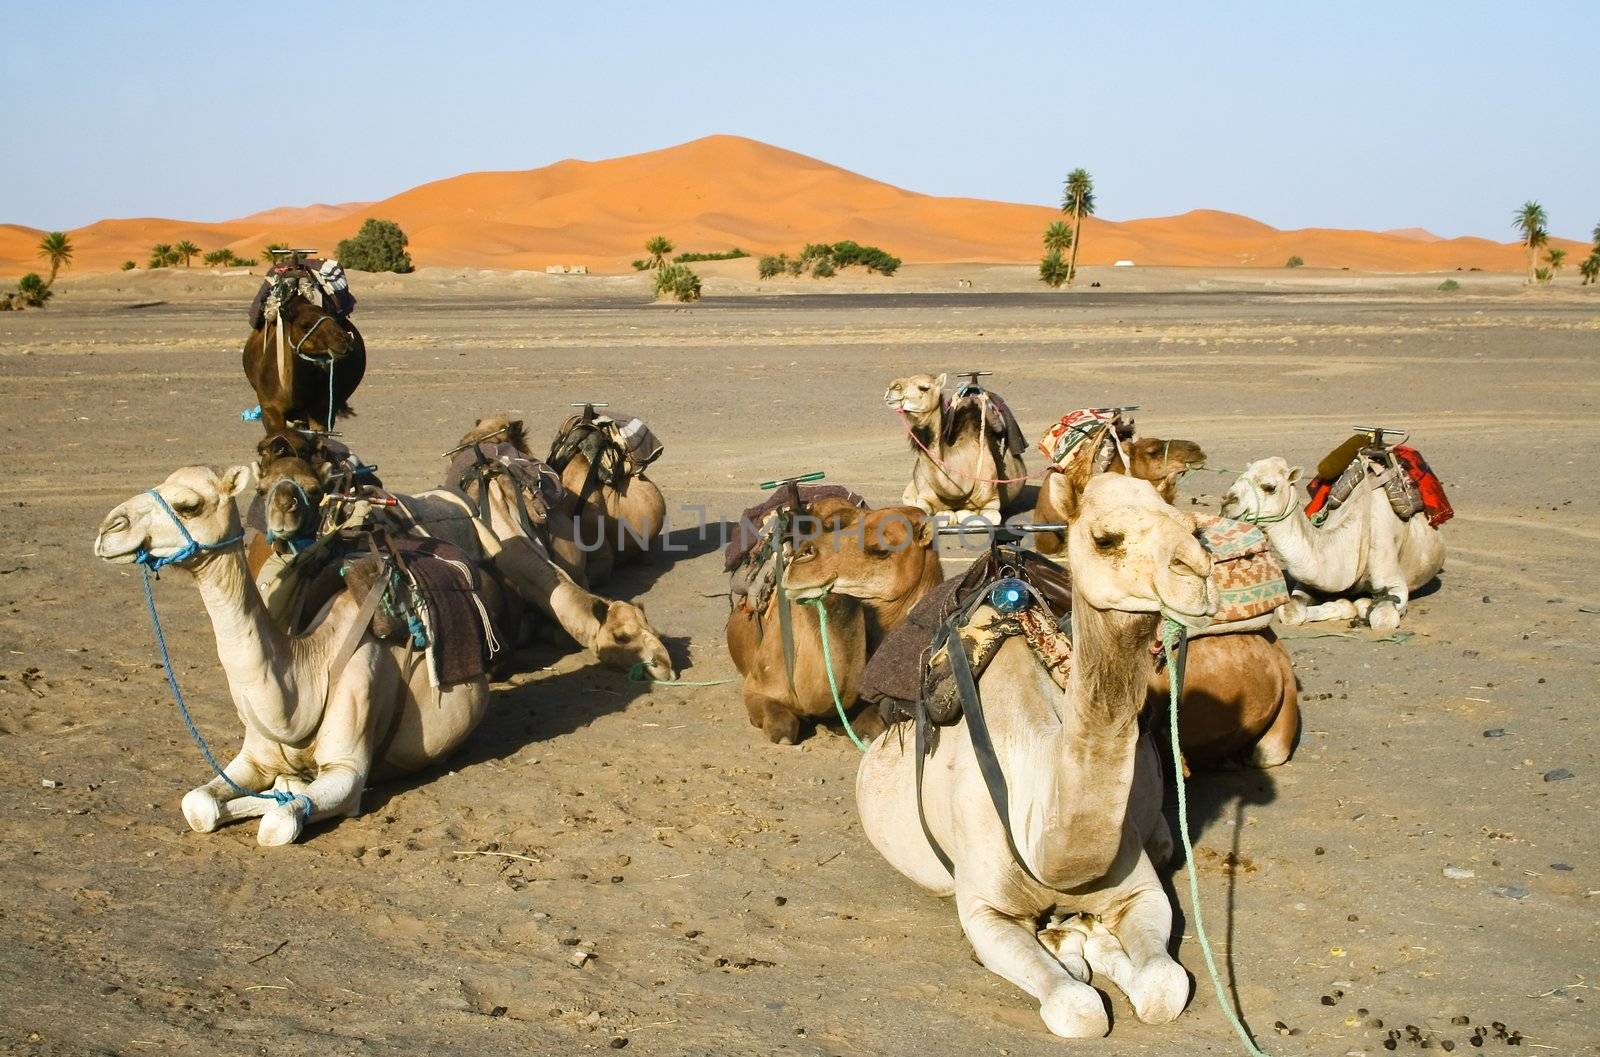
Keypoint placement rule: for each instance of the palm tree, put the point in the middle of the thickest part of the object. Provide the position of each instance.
(185, 250)
(1589, 267)
(658, 248)
(1077, 198)
(1531, 221)
(1057, 237)
(1556, 256)
(161, 255)
(56, 248)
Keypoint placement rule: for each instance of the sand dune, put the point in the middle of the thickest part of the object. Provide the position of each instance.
(723, 191)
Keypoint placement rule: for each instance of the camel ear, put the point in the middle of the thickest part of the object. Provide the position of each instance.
(1294, 474)
(236, 480)
(939, 382)
(925, 532)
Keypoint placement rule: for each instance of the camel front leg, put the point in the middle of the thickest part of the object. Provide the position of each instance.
(1130, 948)
(1301, 610)
(208, 806)
(1010, 949)
(334, 793)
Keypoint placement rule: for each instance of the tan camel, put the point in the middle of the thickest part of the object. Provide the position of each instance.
(870, 568)
(380, 716)
(617, 632)
(1161, 462)
(613, 517)
(1084, 787)
(975, 473)
(1362, 550)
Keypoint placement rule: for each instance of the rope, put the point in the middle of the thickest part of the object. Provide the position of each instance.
(276, 796)
(827, 660)
(639, 673)
(952, 473)
(1172, 636)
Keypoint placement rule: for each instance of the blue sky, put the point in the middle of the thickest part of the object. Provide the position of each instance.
(1373, 115)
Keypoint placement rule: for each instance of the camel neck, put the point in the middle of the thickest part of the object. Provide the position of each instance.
(884, 616)
(1323, 558)
(1092, 774)
(255, 655)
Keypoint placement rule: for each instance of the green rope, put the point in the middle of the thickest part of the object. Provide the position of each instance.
(827, 660)
(639, 673)
(1171, 636)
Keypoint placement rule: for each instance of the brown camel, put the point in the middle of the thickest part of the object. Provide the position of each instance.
(869, 569)
(289, 359)
(1161, 462)
(614, 507)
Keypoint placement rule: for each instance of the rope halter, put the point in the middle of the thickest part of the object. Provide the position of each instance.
(191, 546)
(303, 535)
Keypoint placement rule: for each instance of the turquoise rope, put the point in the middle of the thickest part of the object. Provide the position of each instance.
(1171, 635)
(827, 660)
(639, 674)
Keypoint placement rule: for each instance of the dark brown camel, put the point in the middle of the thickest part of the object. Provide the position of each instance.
(313, 339)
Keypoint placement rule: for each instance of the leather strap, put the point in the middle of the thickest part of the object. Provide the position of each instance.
(358, 630)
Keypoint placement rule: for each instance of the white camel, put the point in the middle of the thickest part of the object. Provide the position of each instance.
(1362, 550)
(1084, 786)
(318, 742)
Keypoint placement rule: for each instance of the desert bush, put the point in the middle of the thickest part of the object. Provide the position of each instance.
(769, 266)
(823, 269)
(1449, 286)
(642, 266)
(1294, 262)
(1541, 275)
(677, 282)
(380, 246)
(843, 254)
(726, 255)
(1053, 269)
(33, 291)
(128, 266)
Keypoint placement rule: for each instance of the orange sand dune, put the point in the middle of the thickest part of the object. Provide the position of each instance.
(725, 191)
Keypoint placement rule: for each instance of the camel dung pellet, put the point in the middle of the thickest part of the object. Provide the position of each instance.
(1390, 1044)
(1375, 1022)
(1447, 1045)
(1361, 1012)
(1328, 1000)
(1460, 1020)
(618, 1041)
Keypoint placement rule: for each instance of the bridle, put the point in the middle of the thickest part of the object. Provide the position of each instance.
(191, 546)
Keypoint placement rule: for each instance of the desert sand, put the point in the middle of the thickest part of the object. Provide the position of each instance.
(719, 192)
(723, 883)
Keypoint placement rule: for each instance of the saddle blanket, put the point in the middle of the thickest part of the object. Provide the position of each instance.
(1341, 470)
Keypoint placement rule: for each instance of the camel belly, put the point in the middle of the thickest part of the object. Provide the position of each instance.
(886, 799)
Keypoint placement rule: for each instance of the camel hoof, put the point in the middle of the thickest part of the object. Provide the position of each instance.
(280, 825)
(1163, 989)
(1385, 616)
(201, 811)
(1075, 1011)
(1292, 613)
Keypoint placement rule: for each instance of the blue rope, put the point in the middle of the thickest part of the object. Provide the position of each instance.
(148, 563)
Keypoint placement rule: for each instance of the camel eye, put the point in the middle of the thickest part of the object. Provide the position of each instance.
(805, 553)
(1269, 488)
(1108, 541)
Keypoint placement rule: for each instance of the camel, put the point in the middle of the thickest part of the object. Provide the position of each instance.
(1363, 549)
(1084, 787)
(1161, 462)
(869, 568)
(376, 717)
(288, 361)
(960, 467)
(518, 566)
(614, 507)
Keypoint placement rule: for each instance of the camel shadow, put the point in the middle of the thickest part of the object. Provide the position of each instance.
(666, 550)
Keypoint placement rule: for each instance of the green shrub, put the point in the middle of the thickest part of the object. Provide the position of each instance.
(380, 246)
(1449, 285)
(1294, 262)
(32, 291)
(726, 255)
(770, 266)
(677, 282)
(1053, 269)
(1541, 274)
(162, 255)
(823, 269)
(641, 266)
(794, 266)
(128, 266)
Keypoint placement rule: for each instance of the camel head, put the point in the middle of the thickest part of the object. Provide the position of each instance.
(1132, 553)
(917, 395)
(1264, 493)
(1162, 462)
(625, 638)
(878, 556)
(290, 470)
(316, 331)
(500, 428)
(201, 504)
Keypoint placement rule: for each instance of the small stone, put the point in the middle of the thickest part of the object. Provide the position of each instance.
(1447, 1045)
(1459, 1021)
(51, 783)
(616, 878)
(1560, 774)
(1512, 891)
(780, 900)
(1563, 867)
(1496, 732)
(1458, 873)
(578, 959)
(498, 1011)
(1487, 599)
(1375, 1022)
(691, 934)
(1329, 1000)
(1390, 1044)
(1321, 851)
(618, 1041)
(1280, 1027)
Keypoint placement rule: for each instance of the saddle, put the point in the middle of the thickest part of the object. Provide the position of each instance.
(998, 421)
(538, 486)
(1086, 435)
(615, 448)
(752, 557)
(1404, 475)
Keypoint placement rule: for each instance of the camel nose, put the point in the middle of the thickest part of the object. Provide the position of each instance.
(1191, 559)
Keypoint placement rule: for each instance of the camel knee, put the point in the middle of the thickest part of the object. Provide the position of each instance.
(202, 810)
(780, 725)
(1276, 745)
(1160, 991)
(868, 723)
(282, 824)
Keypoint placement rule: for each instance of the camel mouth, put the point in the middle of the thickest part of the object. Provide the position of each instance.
(117, 554)
(810, 593)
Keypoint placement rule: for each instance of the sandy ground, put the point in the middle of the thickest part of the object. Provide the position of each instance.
(723, 884)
